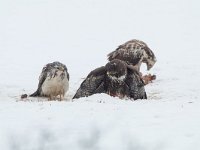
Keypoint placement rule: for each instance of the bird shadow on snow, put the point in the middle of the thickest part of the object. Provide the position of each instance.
(42, 99)
(152, 89)
(27, 98)
(98, 98)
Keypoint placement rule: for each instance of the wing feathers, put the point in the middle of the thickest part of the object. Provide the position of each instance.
(136, 85)
(131, 52)
(42, 78)
(94, 83)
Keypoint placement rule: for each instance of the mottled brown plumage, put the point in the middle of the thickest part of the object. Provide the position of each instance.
(115, 79)
(53, 81)
(134, 53)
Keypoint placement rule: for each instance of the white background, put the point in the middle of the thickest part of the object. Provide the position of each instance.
(80, 34)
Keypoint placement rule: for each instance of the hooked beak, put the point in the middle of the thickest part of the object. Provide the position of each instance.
(150, 64)
(149, 67)
(61, 69)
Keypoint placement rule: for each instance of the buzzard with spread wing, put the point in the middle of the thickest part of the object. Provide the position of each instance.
(116, 78)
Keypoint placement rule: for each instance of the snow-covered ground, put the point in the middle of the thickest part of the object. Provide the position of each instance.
(80, 34)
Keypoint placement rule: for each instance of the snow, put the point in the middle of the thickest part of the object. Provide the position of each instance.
(80, 34)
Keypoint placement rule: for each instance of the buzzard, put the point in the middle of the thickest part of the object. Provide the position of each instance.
(53, 81)
(116, 78)
(134, 53)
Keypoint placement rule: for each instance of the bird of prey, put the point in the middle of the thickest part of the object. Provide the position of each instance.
(134, 53)
(116, 78)
(53, 81)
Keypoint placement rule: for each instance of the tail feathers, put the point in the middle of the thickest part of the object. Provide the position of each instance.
(80, 94)
(145, 96)
(140, 95)
(36, 93)
(76, 96)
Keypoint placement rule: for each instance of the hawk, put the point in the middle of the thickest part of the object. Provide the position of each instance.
(53, 81)
(116, 78)
(134, 53)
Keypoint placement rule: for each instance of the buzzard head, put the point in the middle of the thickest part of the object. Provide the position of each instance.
(57, 69)
(149, 58)
(116, 70)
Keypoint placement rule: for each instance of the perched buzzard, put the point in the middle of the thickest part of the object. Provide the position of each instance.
(53, 81)
(115, 79)
(134, 53)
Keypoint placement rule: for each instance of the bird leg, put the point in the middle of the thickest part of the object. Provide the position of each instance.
(146, 78)
(136, 69)
(61, 97)
(50, 98)
(133, 68)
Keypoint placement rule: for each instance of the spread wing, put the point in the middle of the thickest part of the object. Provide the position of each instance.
(66, 72)
(68, 76)
(136, 85)
(94, 83)
(131, 52)
(42, 78)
